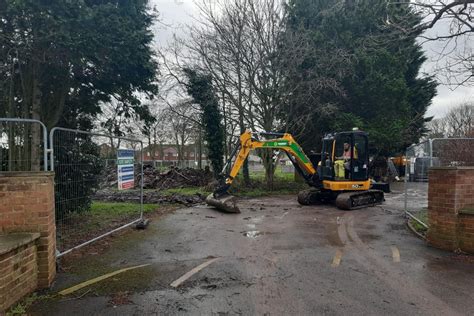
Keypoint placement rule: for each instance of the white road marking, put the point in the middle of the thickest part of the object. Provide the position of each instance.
(98, 279)
(337, 259)
(284, 214)
(189, 274)
(395, 254)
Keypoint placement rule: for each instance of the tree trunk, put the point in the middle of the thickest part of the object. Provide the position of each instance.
(11, 129)
(200, 148)
(270, 166)
(224, 115)
(151, 148)
(267, 159)
(36, 115)
(245, 167)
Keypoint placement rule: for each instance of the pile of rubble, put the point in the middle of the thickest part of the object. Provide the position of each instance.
(154, 179)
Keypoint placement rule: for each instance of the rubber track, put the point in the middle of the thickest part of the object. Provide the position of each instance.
(310, 197)
(356, 200)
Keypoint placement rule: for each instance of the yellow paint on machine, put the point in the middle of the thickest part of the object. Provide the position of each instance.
(346, 185)
(336, 261)
(98, 279)
(395, 254)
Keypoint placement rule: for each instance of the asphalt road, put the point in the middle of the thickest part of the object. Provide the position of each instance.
(275, 258)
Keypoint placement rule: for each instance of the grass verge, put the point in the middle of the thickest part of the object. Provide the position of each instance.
(422, 216)
(283, 183)
(21, 308)
(103, 217)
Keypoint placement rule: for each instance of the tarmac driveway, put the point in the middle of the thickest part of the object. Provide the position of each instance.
(275, 258)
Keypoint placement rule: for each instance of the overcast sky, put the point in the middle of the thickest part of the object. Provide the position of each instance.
(174, 14)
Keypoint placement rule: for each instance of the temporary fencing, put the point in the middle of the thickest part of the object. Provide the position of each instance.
(23, 145)
(437, 152)
(85, 162)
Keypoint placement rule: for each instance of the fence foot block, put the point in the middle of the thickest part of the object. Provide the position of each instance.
(142, 224)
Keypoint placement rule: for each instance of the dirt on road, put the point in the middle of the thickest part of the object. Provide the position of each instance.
(275, 258)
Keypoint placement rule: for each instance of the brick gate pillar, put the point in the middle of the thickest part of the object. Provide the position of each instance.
(27, 205)
(451, 208)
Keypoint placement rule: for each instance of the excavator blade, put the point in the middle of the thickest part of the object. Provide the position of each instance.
(226, 203)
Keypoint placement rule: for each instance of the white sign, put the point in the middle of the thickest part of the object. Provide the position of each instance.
(125, 169)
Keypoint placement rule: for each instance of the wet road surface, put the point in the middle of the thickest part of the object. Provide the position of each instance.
(275, 258)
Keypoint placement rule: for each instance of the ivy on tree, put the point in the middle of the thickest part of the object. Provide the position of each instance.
(199, 87)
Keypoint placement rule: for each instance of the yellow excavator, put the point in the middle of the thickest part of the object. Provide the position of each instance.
(340, 172)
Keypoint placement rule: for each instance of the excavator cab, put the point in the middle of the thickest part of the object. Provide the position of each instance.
(344, 157)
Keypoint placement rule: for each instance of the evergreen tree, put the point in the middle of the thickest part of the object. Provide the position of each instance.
(381, 90)
(59, 60)
(64, 57)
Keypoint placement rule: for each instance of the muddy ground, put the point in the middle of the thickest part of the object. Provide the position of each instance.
(275, 258)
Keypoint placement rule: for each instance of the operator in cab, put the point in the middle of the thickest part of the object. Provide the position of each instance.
(342, 165)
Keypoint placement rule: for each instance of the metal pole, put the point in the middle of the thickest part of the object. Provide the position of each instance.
(51, 153)
(96, 238)
(416, 219)
(430, 142)
(141, 182)
(95, 134)
(406, 180)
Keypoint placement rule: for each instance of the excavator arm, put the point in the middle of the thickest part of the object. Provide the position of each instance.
(249, 141)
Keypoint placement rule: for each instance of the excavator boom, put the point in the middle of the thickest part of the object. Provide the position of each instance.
(250, 141)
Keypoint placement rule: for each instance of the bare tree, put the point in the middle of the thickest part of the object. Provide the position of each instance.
(436, 128)
(180, 127)
(244, 46)
(451, 23)
(458, 122)
(236, 42)
(155, 132)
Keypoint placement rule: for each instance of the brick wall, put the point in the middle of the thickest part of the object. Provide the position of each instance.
(450, 201)
(27, 205)
(18, 271)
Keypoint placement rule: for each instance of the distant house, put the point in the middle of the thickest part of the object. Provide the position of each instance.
(169, 152)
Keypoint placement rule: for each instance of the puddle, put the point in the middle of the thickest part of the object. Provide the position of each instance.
(252, 234)
(258, 219)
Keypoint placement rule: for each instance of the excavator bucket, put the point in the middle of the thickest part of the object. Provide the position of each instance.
(226, 203)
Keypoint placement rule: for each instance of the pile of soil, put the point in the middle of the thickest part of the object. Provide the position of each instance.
(175, 178)
(154, 179)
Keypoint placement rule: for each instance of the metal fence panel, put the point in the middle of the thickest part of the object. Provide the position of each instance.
(437, 152)
(23, 145)
(84, 163)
